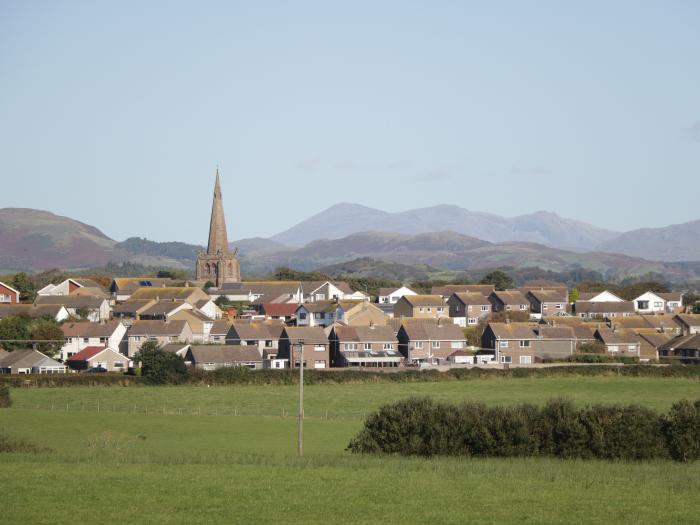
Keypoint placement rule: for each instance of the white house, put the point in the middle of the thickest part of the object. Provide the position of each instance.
(67, 287)
(649, 303)
(600, 297)
(78, 336)
(392, 295)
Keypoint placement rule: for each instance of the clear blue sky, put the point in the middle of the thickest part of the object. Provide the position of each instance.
(117, 113)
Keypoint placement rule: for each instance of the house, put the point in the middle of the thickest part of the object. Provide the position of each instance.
(392, 295)
(689, 323)
(447, 290)
(468, 308)
(131, 309)
(326, 290)
(179, 349)
(312, 339)
(461, 357)
(188, 294)
(219, 332)
(325, 313)
(650, 342)
(547, 302)
(279, 311)
(163, 332)
(29, 361)
(212, 357)
(619, 342)
(525, 344)
(430, 342)
(94, 309)
(684, 349)
(599, 297)
(122, 288)
(364, 346)
(67, 287)
(8, 295)
(649, 303)
(98, 357)
(271, 291)
(209, 308)
(509, 301)
(200, 324)
(163, 309)
(421, 306)
(81, 335)
(674, 301)
(603, 309)
(254, 333)
(56, 312)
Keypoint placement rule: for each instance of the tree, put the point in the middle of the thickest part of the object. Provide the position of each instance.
(14, 332)
(573, 295)
(48, 335)
(501, 280)
(24, 286)
(82, 313)
(159, 367)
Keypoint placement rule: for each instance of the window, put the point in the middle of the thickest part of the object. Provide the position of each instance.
(559, 306)
(137, 338)
(471, 320)
(302, 315)
(318, 315)
(525, 360)
(507, 307)
(434, 344)
(86, 340)
(457, 308)
(118, 364)
(430, 309)
(525, 344)
(103, 340)
(456, 344)
(420, 309)
(5, 298)
(506, 359)
(350, 346)
(484, 308)
(642, 305)
(523, 307)
(658, 304)
(250, 343)
(613, 348)
(388, 346)
(504, 344)
(368, 346)
(440, 309)
(268, 344)
(319, 364)
(632, 348)
(320, 296)
(319, 348)
(418, 344)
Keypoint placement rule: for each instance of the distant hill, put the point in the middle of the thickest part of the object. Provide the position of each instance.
(368, 267)
(541, 227)
(678, 242)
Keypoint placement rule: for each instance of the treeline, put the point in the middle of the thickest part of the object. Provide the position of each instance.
(423, 427)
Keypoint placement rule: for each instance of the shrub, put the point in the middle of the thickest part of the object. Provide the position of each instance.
(10, 444)
(682, 430)
(161, 368)
(5, 400)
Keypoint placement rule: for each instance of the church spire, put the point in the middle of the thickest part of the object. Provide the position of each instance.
(218, 241)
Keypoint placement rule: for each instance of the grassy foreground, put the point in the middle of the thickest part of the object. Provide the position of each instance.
(117, 466)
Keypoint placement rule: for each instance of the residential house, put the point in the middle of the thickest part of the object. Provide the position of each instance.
(285, 312)
(421, 306)
(57, 312)
(619, 342)
(163, 309)
(94, 309)
(122, 288)
(98, 357)
(312, 339)
(649, 303)
(179, 349)
(509, 301)
(209, 308)
(674, 301)
(8, 295)
(461, 357)
(430, 343)
(603, 309)
(326, 290)
(131, 309)
(163, 332)
(650, 342)
(373, 346)
(447, 290)
(599, 297)
(325, 313)
(29, 361)
(200, 324)
(684, 349)
(219, 332)
(211, 357)
(67, 287)
(259, 334)
(547, 302)
(525, 344)
(392, 295)
(689, 323)
(269, 291)
(188, 294)
(468, 308)
(81, 335)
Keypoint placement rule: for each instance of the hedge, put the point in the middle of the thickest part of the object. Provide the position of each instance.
(5, 399)
(423, 427)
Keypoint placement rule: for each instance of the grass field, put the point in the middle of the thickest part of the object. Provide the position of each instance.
(183, 457)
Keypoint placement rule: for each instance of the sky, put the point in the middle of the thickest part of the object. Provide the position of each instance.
(117, 113)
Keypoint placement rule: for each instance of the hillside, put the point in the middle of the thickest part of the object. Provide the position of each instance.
(541, 227)
(678, 242)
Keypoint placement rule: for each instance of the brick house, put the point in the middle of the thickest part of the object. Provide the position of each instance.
(81, 335)
(98, 356)
(509, 301)
(421, 306)
(525, 344)
(163, 332)
(430, 342)
(373, 346)
(547, 302)
(315, 345)
(8, 295)
(468, 308)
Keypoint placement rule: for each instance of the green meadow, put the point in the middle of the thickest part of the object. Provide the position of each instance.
(194, 454)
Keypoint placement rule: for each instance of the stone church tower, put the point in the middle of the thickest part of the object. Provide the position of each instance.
(218, 265)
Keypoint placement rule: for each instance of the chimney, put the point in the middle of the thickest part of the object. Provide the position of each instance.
(439, 323)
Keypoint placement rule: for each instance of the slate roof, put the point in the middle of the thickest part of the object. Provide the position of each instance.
(309, 334)
(513, 330)
(365, 334)
(220, 327)
(618, 337)
(468, 298)
(183, 293)
(511, 297)
(689, 319)
(683, 342)
(251, 330)
(446, 331)
(424, 300)
(26, 358)
(224, 354)
(70, 301)
(163, 307)
(87, 329)
(671, 296)
(449, 289)
(603, 307)
(156, 328)
(549, 296)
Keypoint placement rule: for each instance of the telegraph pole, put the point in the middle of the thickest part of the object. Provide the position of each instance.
(300, 420)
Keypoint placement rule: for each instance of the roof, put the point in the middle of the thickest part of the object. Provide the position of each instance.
(603, 307)
(319, 306)
(172, 292)
(220, 327)
(688, 319)
(388, 291)
(549, 296)
(449, 289)
(163, 307)
(671, 296)
(132, 306)
(655, 339)
(556, 332)
(87, 353)
(311, 286)
(223, 354)
(275, 288)
(309, 334)
(251, 330)
(683, 342)
(513, 330)
(365, 334)
(26, 358)
(397, 322)
(616, 337)
(90, 291)
(70, 301)
(471, 298)
(280, 309)
(174, 347)
(9, 287)
(51, 310)
(156, 328)
(424, 300)
(128, 285)
(445, 331)
(511, 297)
(87, 329)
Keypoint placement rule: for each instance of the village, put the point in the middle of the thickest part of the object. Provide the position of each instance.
(218, 320)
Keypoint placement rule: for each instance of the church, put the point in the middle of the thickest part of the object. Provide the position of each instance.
(218, 265)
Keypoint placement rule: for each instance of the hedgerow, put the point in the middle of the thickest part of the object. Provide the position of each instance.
(423, 427)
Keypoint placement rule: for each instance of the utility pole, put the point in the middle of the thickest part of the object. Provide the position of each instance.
(300, 420)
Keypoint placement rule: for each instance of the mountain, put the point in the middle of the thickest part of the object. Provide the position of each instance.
(541, 227)
(678, 242)
(368, 267)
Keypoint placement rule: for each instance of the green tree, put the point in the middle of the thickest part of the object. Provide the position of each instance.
(501, 280)
(24, 286)
(573, 295)
(14, 332)
(159, 367)
(48, 335)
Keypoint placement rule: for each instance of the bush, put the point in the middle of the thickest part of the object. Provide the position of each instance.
(161, 368)
(5, 400)
(10, 444)
(422, 427)
(682, 430)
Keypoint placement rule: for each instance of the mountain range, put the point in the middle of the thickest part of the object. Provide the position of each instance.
(38, 240)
